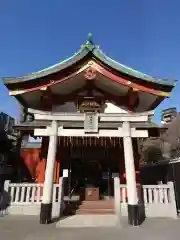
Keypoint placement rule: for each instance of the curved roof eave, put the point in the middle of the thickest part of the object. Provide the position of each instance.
(89, 47)
(130, 71)
(50, 70)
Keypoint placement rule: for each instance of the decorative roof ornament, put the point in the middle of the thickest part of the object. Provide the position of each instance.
(90, 74)
(90, 38)
(89, 43)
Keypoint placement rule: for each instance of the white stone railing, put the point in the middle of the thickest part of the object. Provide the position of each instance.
(158, 194)
(158, 200)
(25, 193)
(29, 192)
(162, 193)
(25, 198)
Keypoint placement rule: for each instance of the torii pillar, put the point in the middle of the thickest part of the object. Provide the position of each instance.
(46, 205)
(133, 202)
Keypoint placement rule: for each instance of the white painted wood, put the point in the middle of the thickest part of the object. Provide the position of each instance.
(129, 165)
(28, 189)
(161, 195)
(145, 195)
(35, 111)
(51, 157)
(81, 118)
(117, 196)
(22, 194)
(124, 118)
(17, 194)
(155, 193)
(172, 199)
(25, 184)
(150, 197)
(54, 193)
(159, 186)
(38, 196)
(103, 117)
(101, 133)
(12, 193)
(33, 194)
(166, 200)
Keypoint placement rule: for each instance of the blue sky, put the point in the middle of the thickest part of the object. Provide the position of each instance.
(142, 34)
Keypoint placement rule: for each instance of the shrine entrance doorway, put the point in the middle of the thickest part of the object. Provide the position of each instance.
(91, 166)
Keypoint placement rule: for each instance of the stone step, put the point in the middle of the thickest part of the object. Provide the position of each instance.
(80, 221)
(98, 201)
(94, 211)
(97, 204)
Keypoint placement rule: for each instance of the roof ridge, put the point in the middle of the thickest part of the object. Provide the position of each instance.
(85, 48)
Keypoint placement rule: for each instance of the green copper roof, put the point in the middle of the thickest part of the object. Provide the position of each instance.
(89, 48)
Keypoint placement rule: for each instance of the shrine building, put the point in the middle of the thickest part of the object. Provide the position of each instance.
(91, 113)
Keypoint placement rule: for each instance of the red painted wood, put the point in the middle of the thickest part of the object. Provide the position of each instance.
(36, 166)
(105, 73)
(125, 82)
(52, 82)
(31, 159)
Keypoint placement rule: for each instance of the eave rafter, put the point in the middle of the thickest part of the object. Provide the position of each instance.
(50, 83)
(132, 97)
(48, 98)
(95, 67)
(126, 82)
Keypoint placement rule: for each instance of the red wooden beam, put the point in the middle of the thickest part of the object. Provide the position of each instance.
(129, 83)
(104, 72)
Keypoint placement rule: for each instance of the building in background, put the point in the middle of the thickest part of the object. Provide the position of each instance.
(168, 115)
(8, 142)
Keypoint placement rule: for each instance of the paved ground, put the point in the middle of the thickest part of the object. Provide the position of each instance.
(28, 228)
(79, 221)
